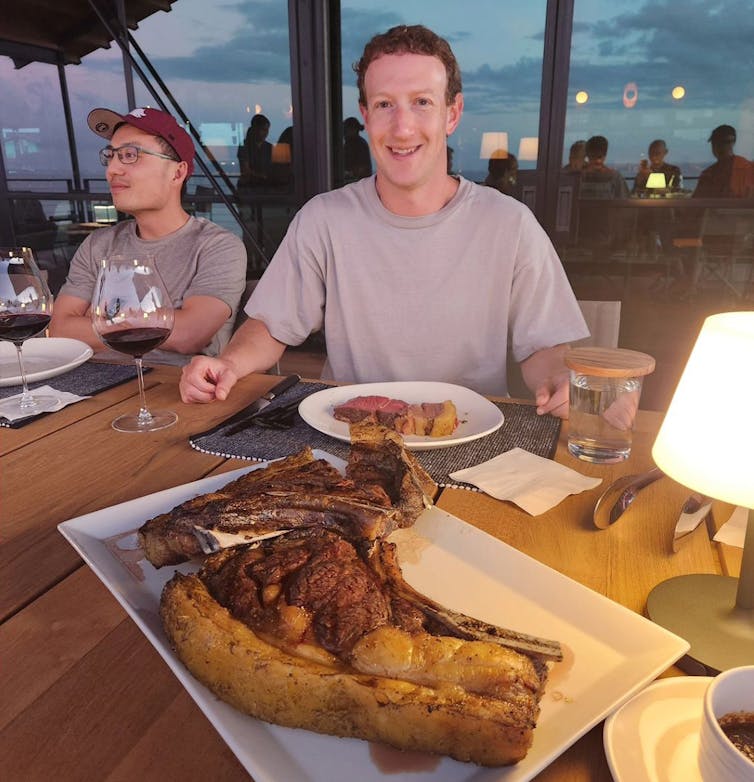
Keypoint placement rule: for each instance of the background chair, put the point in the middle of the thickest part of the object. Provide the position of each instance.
(603, 321)
(727, 239)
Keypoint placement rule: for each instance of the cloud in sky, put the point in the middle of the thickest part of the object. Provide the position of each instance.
(256, 51)
(661, 43)
(697, 43)
(657, 45)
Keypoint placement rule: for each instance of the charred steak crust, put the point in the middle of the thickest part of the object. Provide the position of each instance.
(315, 570)
(387, 489)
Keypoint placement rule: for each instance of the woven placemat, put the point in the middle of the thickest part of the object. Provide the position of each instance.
(85, 380)
(522, 428)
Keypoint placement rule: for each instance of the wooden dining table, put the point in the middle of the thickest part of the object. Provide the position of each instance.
(86, 697)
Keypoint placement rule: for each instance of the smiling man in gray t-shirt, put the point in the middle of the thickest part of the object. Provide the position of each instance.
(415, 274)
(148, 161)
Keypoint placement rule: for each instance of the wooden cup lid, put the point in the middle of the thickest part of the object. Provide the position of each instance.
(609, 362)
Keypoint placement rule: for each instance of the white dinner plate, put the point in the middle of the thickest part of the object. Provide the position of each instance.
(655, 736)
(43, 358)
(610, 652)
(477, 416)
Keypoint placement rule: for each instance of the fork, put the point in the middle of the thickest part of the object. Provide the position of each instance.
(282, 417)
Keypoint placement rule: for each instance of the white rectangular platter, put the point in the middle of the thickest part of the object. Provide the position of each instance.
(611, 653)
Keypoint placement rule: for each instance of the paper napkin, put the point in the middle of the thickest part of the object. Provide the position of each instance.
(533, 483)
(64, 399)
(733, 531)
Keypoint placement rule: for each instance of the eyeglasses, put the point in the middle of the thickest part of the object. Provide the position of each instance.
(129, 153)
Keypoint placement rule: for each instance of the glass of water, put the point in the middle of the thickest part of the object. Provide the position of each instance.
(605, 389)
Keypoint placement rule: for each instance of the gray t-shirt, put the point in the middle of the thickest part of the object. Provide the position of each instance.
(199, 259)
(437, 297)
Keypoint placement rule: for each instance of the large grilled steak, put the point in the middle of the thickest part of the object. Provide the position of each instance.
(301, 616)
(310, 630)
(384, 488)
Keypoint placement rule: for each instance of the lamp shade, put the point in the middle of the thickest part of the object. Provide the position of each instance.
(494, 145)
(706, 441)
(657, 180)
(528, 148)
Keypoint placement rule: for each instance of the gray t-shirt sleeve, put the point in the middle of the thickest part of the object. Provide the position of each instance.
(220, 269)
(290, 296)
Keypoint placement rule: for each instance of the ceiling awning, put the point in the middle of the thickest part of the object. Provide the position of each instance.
(63, 32)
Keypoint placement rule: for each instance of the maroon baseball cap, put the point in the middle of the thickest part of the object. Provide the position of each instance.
(159, 123)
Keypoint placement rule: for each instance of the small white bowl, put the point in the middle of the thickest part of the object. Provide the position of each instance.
(719, 760)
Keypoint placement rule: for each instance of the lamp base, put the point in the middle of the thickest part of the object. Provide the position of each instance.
(702, 609)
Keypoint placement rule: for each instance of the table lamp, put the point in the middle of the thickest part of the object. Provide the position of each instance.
(528, 148)
(281, 153)
(706, 442)
(656, 181)
(494, 145)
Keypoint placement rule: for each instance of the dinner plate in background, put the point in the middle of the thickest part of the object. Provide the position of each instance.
(654, 737)
(477, 416)
(44, 357)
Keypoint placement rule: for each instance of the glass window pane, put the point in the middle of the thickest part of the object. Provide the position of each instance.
(225, 68)
(648, 85)
(224, 64)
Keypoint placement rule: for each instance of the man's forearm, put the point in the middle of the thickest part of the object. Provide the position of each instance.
(252, 349)
(76, 327)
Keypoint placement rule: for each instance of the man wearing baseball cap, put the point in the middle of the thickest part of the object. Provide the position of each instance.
(148, 159)
(732, 176)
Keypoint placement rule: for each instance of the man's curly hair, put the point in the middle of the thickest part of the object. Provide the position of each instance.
(413, 39)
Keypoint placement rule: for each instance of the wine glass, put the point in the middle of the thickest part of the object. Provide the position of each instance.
(25, 311)
(132, 313)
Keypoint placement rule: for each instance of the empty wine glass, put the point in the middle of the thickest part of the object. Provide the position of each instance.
(25, 311)
(132, 313)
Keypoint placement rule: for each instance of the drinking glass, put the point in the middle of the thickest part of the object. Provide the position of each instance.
(25, 311)
(132, 313)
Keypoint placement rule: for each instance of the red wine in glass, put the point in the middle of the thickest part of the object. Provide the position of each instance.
(25, 311)
(136, 341)
(132, 313)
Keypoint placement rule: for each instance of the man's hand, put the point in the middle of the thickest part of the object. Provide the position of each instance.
(206, 379)
(552, 396)
(547, 377)
(622, 412)
(252, 349)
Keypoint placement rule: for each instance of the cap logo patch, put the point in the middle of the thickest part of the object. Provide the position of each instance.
(137, 113)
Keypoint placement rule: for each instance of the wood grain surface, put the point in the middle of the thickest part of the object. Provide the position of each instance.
(86, 697)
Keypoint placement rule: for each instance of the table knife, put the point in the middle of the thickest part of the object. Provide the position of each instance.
(248, 412)
(695, 510)
(620, 494)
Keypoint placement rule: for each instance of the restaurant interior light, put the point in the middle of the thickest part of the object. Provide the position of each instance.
(656, 180)
(494, 145)
(705, 443)
(281, 153)
(528, 148)
(582, 96)
(678, 92)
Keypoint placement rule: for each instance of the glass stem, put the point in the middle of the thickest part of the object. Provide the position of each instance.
(27, 400)
(144, 415)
